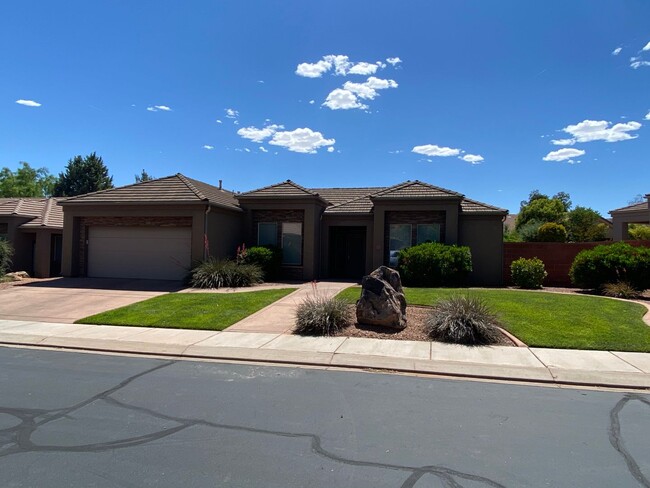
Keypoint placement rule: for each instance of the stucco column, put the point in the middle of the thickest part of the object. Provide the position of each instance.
(42, 254)
(378, 237)
(69, 255)
(310, 247)
(451, 225)
(619, 230)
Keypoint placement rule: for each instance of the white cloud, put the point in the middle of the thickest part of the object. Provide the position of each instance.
(302, 140)
(258, 135)
(564, 154)
(363, 68)
(394, 61)
(330, 149)
(646, 47)
(156, 108)
(472, 158)
(397, 151)
(617, 51)
(368, 89)
(313, 70)
(340, 63)
(638, 64)
(28, 103)
(247, 150)
(311, 102)
(219, 121)
(208, 147)
(260, 81)
(647, 116)
(433, 150)
(231, 113)
(563, 142)
(600, 130)
(340, 99)
(263, 149)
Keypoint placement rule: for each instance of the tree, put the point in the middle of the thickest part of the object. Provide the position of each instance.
(639, 232)
(585, 225)
(543, 209)
(26, 182)
(83, 175)
(143, 176)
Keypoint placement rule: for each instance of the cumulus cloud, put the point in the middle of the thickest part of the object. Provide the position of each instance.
(231, 113)
(564, 154)
(341, 99)
(433, 150)
(617, 51)
(258, 135)
(563, 142)
(647, 116)
(330, 149)
(341, 65)
(473, 158)
(394, 61)
(303, 140)
(363, 68)
(313, 70)
(157, 108)
(646, 47)
(311, 102)
(601, 130)
(28, 103)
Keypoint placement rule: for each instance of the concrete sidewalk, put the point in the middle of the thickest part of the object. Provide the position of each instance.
(552, 366)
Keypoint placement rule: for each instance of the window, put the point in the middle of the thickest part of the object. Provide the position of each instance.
(399, 238)
(292, 243)
(267, 234)
(428, 233)
(4, 231)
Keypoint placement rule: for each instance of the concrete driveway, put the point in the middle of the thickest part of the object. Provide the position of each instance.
(65, 300)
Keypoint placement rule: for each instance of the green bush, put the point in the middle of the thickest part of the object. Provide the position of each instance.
(528, 231)
(320, 315)
(215, 273)
(551, 232)
(621, 289)
(593, 268)
(6, 253)
(434, 264)
(528, 273)
(268, 258)
(463, 320)
(639, 232)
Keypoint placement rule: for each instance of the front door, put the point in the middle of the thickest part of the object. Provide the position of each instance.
(347, 257)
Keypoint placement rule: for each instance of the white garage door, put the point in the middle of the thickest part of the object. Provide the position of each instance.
(160, 253)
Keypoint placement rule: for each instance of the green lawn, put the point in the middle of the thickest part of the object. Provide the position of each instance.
(208, 311)
(552, 320)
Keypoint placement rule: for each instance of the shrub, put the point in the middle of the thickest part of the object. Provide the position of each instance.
(528, 273)
(593, 268)
(268, 258)
(463, 320)
(621, 289)
(6, 253)
(639, 232)
(528, 231)
(435, 264)
(215, 273)
(551, 232)
(320, 315)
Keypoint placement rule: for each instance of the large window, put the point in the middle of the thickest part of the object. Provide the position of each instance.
(399, 238)
(267, 234)
(292, 243)
(428, 233)
(4, 231)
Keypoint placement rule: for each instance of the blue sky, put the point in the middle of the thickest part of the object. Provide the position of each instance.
(468, 95)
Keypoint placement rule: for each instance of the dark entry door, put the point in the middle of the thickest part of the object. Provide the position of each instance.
(347, 252)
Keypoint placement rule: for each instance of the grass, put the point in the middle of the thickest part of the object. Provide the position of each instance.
(550, 319)
(204, 311)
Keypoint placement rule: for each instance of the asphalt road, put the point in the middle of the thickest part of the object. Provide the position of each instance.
(85, 420)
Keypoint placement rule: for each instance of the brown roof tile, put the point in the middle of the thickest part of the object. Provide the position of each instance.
(632, 208)
(416, 189)
(44, 212)
(168, 190)
(469, 206)
(336, 196)
(280, 190)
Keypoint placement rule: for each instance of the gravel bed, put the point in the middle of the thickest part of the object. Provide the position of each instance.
(414, 331)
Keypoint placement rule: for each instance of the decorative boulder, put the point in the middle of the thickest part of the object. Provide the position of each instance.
(382, 301)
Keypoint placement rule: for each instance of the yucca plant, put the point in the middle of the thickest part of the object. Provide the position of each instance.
(463, 320)
(320, 315)
(620, 289)
(215, 273)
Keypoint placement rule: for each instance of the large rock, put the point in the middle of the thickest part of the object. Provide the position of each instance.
(382, 301)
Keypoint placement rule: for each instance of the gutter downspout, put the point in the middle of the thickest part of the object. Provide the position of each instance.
(206, 244)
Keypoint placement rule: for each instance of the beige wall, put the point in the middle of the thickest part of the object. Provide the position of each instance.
(484, 236)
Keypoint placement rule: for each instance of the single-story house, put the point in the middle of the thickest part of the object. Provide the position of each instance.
(34, 227)
(158, 228)
(637, 213)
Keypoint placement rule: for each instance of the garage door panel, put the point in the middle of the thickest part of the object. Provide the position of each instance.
(139, 252)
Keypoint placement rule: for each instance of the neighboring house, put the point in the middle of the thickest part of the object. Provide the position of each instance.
(34, 227)
(638, 213)
(156, 229)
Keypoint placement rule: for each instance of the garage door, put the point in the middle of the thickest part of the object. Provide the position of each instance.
(161, 253)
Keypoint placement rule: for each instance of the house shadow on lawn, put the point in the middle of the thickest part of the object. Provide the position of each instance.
(126, 284)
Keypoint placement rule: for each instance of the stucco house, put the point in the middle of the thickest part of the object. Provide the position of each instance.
(158, 228)
(637, 213)
(34, 227)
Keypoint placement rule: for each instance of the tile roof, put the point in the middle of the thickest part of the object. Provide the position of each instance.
(632, 208)
(416, 189)
(171, 189)
(281, 190)
(44, 212)
(337, 196)
(469, 206)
